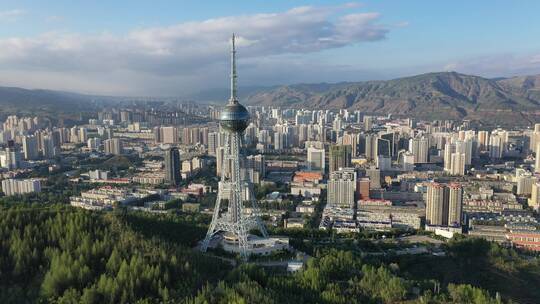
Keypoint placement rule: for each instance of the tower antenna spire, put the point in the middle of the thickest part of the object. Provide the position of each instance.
(233, 98)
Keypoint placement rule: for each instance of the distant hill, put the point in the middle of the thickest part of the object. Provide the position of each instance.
(18, 98)
(444, 95)
(221, 95)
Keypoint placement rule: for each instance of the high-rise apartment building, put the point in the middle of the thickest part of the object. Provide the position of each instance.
(113, 146)
(94, 143)
(169, 135)
(483, 140)
(497, 143)
(10, 158)
(455, 204)
(437, 205)
(223, 165)
(342, 188)
(213, 141)
(444, 204)
(30, 147)
(465, 147)
(368, 123)
(534, 139)
(525, 183)
(419, 147)
(48, 149)
(350, 139)
(370, 146)
(457, 163)
(537, 158)
(534, 201)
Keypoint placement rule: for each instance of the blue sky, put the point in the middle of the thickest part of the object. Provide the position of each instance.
(180, 47)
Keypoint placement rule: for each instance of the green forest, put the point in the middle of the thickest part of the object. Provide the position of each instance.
(59, 254)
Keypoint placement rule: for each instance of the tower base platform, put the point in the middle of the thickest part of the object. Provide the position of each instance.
(257, 245)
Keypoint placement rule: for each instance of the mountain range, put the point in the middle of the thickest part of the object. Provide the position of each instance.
(441, 95)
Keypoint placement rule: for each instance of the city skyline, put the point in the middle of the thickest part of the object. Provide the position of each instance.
(236, 153)
(176, 49)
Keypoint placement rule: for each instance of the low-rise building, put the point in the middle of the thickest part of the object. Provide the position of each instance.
(526, 239)
(294, 222)
(151, 178)
(305, 208)
(104, 198)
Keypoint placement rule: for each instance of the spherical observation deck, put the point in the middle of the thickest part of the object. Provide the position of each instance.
(234, 117)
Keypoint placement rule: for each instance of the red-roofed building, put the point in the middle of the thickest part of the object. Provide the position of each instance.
(526, 239)
(307, 176)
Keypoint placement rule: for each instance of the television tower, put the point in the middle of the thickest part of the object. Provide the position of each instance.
(234, 119)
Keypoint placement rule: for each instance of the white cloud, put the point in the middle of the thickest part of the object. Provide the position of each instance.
(181, 56)
(11, 15)
(54, 18)
(498, 65)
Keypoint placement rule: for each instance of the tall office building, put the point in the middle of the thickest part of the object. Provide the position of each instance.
(172, 166)
(342, 188)
(384, 147)
(340, 157)
(384, 162)
(444, 204)
(391, 140)
(316, 159)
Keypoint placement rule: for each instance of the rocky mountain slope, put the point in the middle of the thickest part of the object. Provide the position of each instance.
(441, 95)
